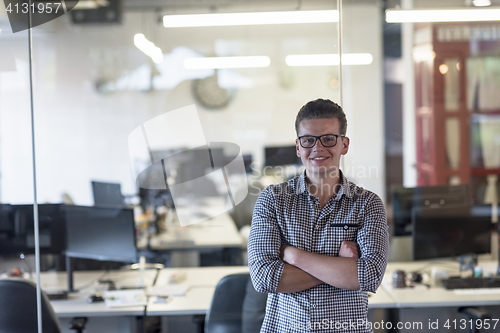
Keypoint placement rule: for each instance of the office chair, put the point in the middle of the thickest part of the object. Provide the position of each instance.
(19, 314)
(236, 307)
(242, 212)
(474, 314)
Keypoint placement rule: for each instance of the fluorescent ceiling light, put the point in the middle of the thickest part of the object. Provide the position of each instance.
(442, 15)
(228, 19)
(328, 59)
(149, 48)
(227, 62)
(481, 3)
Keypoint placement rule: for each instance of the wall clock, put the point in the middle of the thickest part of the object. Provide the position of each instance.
(209, 94)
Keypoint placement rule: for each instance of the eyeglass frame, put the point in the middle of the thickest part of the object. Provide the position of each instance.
(316, 138)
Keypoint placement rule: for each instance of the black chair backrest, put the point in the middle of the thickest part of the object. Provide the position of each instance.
(224, 315)
(254, 310)
(18, 308)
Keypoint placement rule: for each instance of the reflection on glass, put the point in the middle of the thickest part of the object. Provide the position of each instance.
(452, 140)
(483, 83)
(451, 70)
(489, 129)
(485, 141)
(426, 129)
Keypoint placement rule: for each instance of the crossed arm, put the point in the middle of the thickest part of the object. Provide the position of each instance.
(292, 269)
(304, 270)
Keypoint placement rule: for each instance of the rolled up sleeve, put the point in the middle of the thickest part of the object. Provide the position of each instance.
(264, 244)
(373, 241)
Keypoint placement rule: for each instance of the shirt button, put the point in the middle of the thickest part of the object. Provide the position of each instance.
(313, 305)
(346, 227)
(317, 226)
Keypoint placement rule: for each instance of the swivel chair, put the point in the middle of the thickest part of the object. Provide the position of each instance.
(19, 313)
(236, 307)
(474, 314)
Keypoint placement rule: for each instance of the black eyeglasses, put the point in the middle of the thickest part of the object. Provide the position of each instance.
(327, 140)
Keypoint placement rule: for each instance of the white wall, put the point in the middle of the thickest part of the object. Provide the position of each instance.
(363, 98)
(82, 134)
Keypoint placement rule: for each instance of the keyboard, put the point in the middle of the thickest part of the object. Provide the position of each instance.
(456, 282)
(477, 291)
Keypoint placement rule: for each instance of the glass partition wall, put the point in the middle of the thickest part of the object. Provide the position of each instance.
(16, 179)
(419, 98)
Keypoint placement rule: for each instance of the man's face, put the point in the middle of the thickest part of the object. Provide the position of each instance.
(319, 160)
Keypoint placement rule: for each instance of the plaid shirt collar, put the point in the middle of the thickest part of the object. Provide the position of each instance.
(345, 189)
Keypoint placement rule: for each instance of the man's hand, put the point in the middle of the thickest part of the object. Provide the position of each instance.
(349, 249)
(340, 272)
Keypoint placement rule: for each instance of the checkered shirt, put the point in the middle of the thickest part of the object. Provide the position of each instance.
(287, 214)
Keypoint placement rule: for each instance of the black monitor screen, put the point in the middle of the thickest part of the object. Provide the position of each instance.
(101, 233)
(107, 194)
(449, 232)
(285, 155)
(247, 162)
(405, 199)
(17, 234)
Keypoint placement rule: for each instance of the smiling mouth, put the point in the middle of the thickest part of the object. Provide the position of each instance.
(318, 158)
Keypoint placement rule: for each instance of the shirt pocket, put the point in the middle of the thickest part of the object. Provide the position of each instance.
(345, 231)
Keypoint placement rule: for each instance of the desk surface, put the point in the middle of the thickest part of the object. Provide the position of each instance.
(436, 296)
(76, 304)
(217, 232)
(202, 282)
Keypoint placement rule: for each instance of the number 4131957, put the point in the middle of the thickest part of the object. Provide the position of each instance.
(471, 324)
(40, 8)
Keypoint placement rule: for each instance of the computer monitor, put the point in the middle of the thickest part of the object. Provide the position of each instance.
(99, 233)
(284, 155)
(449, 231)
(405, 199)
(17, 234)
(247, 162)
(107, 194)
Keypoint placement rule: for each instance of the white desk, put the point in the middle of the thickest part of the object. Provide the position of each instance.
(76, 305)
(196, 301)
(203, 281)
(217, 232)
(436, 296)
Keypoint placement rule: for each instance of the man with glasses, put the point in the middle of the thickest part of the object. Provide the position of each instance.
(318, 243)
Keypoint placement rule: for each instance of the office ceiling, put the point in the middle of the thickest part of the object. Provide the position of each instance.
(227, 5)
(436, 3)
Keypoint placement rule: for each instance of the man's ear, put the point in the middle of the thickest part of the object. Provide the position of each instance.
(345, 145)
(297, 147)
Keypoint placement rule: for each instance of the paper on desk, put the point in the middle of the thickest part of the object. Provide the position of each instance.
(123, 298)
(168, 290)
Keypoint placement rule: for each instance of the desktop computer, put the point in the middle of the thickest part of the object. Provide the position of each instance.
(17, 235)
(280, 156)
(99, 233)
(449, 231)
(405, 199)
(107, 194)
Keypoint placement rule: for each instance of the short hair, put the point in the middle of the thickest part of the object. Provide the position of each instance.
(322, 109)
